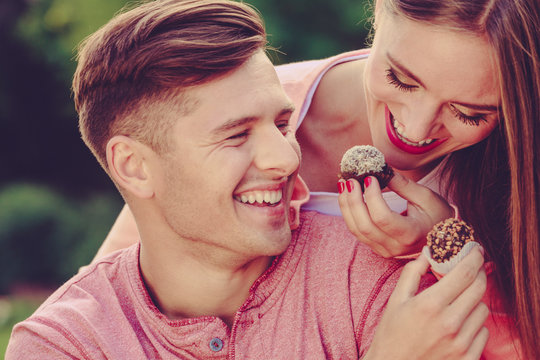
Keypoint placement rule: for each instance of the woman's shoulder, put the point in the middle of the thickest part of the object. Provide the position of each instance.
(297, 71)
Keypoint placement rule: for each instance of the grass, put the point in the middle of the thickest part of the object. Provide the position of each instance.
(12, 310)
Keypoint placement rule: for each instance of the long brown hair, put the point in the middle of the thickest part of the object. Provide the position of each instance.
(496, 183)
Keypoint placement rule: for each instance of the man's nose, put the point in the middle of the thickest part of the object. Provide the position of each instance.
(277, 152)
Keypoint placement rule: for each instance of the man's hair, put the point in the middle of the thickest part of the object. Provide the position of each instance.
(153, 53)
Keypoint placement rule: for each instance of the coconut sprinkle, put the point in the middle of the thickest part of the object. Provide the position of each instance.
(361, 159)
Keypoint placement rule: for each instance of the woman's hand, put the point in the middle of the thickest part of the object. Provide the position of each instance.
(386, 232)
(444, 321)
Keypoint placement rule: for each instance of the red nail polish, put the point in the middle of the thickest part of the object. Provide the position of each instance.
(350, 185)
(367, 181)
(341, 187)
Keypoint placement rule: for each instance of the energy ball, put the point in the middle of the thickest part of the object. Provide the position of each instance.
(447, 238)
(362, 161)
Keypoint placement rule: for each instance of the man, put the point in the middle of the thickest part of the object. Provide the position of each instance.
(183, 109)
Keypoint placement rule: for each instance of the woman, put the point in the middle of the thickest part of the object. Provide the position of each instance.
(449, 93)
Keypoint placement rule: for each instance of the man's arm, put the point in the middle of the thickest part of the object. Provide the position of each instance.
(35, 339)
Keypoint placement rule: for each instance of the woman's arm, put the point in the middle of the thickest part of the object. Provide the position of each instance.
(123, 234)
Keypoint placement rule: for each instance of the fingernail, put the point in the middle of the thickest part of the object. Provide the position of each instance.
(367, 181)
(341, 187)
(350, 185)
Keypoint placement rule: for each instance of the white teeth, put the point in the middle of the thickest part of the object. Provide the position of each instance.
(261, 197)
(268, 197)
(400, 131)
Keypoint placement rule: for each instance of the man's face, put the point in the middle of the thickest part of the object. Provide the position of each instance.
(227, 182)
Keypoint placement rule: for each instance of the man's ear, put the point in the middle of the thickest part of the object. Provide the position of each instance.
(127, 166)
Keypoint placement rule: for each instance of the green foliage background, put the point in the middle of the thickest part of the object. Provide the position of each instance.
(56, 204)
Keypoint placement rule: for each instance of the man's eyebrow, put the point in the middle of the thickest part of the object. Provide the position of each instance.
(403, 69)
(234, 123)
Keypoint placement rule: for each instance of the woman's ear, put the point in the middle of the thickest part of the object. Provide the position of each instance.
(127, 166)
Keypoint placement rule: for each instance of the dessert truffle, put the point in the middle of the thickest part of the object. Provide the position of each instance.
(362, 161)
(447, 238)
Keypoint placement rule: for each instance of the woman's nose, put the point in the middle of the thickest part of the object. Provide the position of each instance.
(419, 123)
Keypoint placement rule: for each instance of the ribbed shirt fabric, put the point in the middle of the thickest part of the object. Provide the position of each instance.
(321, 299)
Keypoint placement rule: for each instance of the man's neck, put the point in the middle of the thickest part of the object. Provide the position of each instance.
(185, 285)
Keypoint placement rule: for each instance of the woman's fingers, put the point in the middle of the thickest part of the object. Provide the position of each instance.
(358, 220)
(420, 198)
(471, 331)
(470, 297)
(409, 280)
(426, 325)
(453, 284)
(477, 346)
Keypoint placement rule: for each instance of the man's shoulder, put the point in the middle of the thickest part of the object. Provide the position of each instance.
(328, 237)
(76, 311)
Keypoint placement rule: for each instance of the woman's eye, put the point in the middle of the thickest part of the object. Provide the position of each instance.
(468, 119)
(393, 80)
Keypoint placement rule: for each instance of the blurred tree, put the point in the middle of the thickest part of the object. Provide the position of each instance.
(45, 237)
(41, 139)
(313, 29)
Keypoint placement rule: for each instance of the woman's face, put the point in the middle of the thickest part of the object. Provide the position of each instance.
(430, 91)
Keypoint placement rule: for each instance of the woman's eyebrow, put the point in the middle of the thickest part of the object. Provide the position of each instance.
(480, 107)
(408, 73)
(403, 69)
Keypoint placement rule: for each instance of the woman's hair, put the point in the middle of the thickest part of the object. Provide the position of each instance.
(496, 183)
(151, 54)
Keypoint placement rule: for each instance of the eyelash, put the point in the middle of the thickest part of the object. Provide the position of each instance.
(241, 135)
(469, 120)
(393, 80)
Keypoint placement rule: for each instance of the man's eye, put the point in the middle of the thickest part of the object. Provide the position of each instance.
(241, 135)
(283, 127)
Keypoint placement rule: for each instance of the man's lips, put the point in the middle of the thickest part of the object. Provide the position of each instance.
(397, 142)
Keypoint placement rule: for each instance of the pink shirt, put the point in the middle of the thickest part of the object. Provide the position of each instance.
(321, 299)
